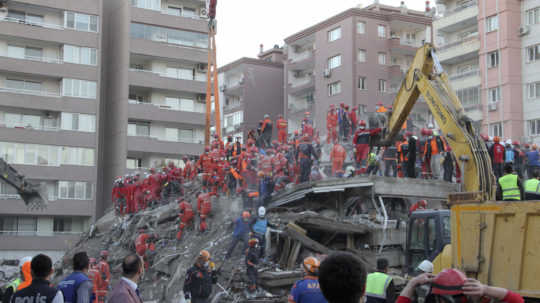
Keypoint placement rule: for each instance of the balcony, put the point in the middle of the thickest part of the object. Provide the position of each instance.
(233, 128)
(45, 100)
(459, 51)
(147, 144)
(163, 113)
(302, 61)
(166, 19)
(233, 106)
(89, 7)
(167, 50)
(402, 46)
(49, 136)
(150, 79)
(465, 75)
(302, 86)
(47, 32)
(233, 88)
(459, 18)
(48, 67)
(39, 243)
(298, 107)
(395, 73)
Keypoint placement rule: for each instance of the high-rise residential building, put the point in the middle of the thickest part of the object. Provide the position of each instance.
(249, 89)
(458, 45)
(357, 57)
(155, 74)
(50, 53)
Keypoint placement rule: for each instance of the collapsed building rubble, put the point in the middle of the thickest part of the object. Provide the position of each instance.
(362, 215)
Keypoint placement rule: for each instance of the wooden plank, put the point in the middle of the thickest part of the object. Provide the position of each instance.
(329, 225)
(307, 241)
(294, 254)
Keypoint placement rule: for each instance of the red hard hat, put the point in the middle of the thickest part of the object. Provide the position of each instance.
(423, 203)
(515, 143)
(423, 131)
(104, 253)
(307, 113)
(92, 260)
(527, 146)
(207, 149)
(332, 106)
(448, 282)
(408, 134)
(296, 132)
(496, 139)
(362, 123)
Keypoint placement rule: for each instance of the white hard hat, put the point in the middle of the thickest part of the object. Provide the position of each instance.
(509, 142)
(425, 266)
(490, 138)
(24, 260)
(430, 125)
(262, 211)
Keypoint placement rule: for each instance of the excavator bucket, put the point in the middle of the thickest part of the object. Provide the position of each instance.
(33, 195)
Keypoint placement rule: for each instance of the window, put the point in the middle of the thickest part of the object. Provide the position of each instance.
(381, 31)
(75, 190)
(361, 27)
(534, 127)
(533, 90)
(495, 129)
(30, 53)
(189, 12)
(20, 120)
(133, 163)
(81, 22)
(492, 23)
(175, 11)
(181, 73)
(361, 55)
(382, 85)
(186, 136)
(62, 224)
(80, 55)
(469, 96)
(141, 129)
(334, 88)
(234, 119)
(532, 16)
(26, 18)
(78, 122)
(382, 58)
(168, 35)
(334, 34)
(362, 84)
(493, 59)
(147, 4)
(334, 62)
(533, 53)
(494, 94)
(46, 155)
(23, 85)
(79, 88)
(171, 134)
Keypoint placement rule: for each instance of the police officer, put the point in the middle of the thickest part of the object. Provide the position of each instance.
(199, 279)
(77, 287)
(308, 289)
(379, 285)
(532, 187)
(509, 186)
(12, 286)
(39, 290)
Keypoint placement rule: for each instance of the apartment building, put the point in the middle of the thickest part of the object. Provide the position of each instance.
(50, 54)
(458, 47)
(155, 73)
(530, 44)
(249, 89)
(357, 57)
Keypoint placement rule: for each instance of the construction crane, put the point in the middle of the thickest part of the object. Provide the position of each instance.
(212, 86)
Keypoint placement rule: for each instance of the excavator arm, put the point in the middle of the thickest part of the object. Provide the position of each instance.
(426, 77)
(32, 195)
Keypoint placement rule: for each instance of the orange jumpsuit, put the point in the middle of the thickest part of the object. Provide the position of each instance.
(337, 155)
(93, 274)
(331, 124)
(105, 273)
(282, 125)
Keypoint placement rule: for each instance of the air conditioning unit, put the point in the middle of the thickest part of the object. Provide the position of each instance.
(524, 30)
(327, 73)
(201, 98)
(222, 87)
(201, 67)
(203, 13)
(492, 107)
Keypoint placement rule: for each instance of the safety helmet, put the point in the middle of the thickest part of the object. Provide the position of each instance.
(311, 264)
(104, 253)
(508, 142)
(423, 132)
(246, 214)
(332, 106)
(527, 146)
(425, 266)
(496, 139)
(408, 134)
(206, 149)
(346, 106)
(362, 123)
(423, 203)
(266, 116)
(203, 217)
(24, 260)
(516, 143)
(262, 211)
(253, 241)
(204, 255)
(430, 126)
(448, 282)
(307, 113)
(92, 261)
(296, 132)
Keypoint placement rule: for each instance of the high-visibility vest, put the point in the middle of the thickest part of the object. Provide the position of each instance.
(532, 186)
(509, 187)
(376, 285)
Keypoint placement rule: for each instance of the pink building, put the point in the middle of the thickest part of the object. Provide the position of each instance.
(501, 68)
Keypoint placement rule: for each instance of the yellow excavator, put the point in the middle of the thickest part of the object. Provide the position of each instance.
(492, 241)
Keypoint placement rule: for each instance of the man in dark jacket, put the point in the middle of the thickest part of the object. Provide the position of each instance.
(410, 165)
(77, 287)
(266, 131)
(305, 154)
(39, 290)
(199, 279)
(240, 234)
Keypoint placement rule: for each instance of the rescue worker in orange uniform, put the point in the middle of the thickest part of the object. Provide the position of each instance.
(282, 126)
(185, 216)
(403, 152)
(331, 125)
(141, 246)
(361, 143)
(95, 277)
(105, 273)
(337, 156)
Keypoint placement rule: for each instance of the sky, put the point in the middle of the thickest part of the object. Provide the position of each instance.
(244, 24)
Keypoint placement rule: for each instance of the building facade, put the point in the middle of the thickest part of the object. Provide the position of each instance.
(358, 57)
(249, 89)
(50, 69)
(530, 64)
(156, 84)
